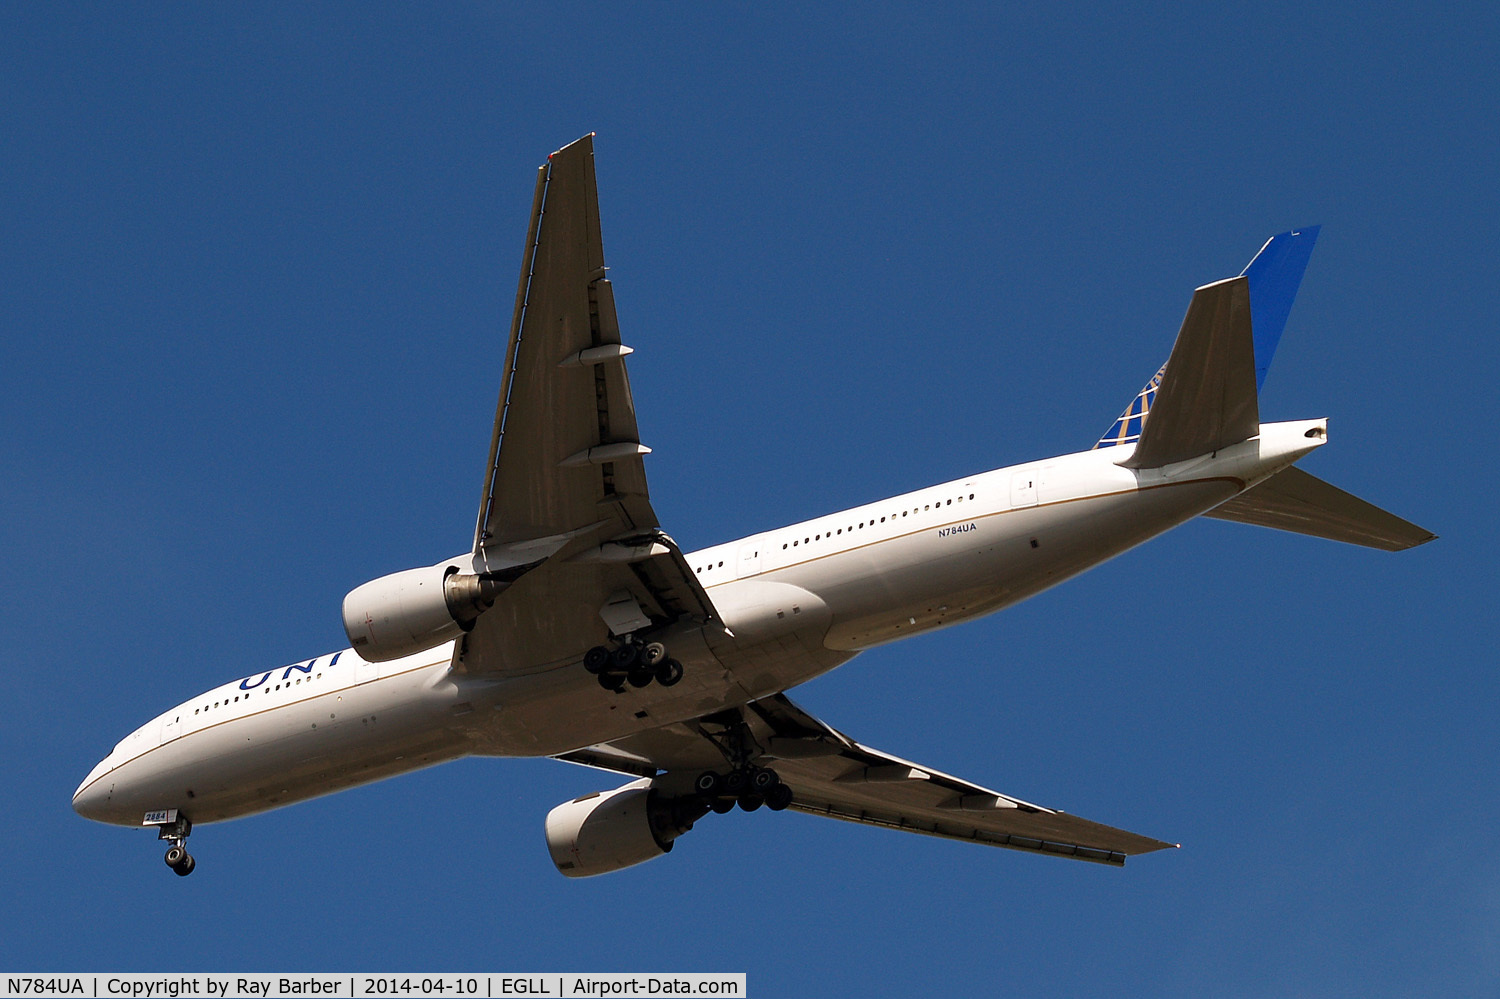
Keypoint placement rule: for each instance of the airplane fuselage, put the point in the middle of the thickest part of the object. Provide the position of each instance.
(795, 603)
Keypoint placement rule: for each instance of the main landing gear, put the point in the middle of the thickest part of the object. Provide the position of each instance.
(634, 663)
(749, 787)
(177, 858)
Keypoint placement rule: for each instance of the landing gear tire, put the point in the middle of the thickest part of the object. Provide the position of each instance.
(734, 782)
(180, 861)
(750, 802)
(612, 681)
(596, 659)
(668, 672)
(762, 780)
(722, 806)
(778, 797)
(708, 784)
(634, 663)
(625, 658)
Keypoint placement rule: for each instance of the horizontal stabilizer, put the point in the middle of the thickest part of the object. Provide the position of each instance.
(1207, 398)
(1293, 500)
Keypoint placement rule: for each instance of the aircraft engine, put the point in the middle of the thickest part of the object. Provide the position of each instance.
(412, 611)
(610, 830)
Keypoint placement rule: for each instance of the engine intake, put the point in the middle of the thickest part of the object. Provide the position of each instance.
(418, 609)
(610, 830)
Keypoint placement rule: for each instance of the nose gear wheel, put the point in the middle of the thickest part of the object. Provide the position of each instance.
(177, 858)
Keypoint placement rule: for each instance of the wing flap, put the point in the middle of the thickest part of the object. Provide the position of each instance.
(1062, 842)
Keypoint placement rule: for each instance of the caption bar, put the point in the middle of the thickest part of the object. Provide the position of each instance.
(361, 986)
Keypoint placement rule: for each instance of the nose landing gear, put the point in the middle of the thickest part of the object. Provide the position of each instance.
(178, 859)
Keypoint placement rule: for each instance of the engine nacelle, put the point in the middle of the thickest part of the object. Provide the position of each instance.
(412, 611)
(610, 830)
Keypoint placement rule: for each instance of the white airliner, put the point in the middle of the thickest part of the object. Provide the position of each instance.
(575, 628)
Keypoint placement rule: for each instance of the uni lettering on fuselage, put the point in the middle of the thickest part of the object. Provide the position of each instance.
(306, 667)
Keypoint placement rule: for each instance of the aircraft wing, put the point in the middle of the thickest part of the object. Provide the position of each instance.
(565, 485)
(834, 776)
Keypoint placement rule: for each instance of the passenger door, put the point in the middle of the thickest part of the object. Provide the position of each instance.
(749, 564)
(1023, 489)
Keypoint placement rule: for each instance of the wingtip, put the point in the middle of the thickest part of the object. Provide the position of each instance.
(582, 138)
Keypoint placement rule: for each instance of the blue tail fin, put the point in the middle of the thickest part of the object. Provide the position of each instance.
(1275, 274)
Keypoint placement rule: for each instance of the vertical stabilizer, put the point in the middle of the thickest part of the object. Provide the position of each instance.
(1275, 274)
(1207, 399)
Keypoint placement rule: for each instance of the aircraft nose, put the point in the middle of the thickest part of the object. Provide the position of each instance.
(91, 800)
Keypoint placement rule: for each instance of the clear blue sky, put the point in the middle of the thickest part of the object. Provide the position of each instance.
(257, 271)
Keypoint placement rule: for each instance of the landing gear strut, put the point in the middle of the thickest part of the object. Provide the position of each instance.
(744, 784)
(634, 663)
(177, 858)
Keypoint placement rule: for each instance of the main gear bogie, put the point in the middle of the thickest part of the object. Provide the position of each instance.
(634, 663)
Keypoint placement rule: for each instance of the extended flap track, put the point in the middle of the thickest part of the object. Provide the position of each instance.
(601, 388)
